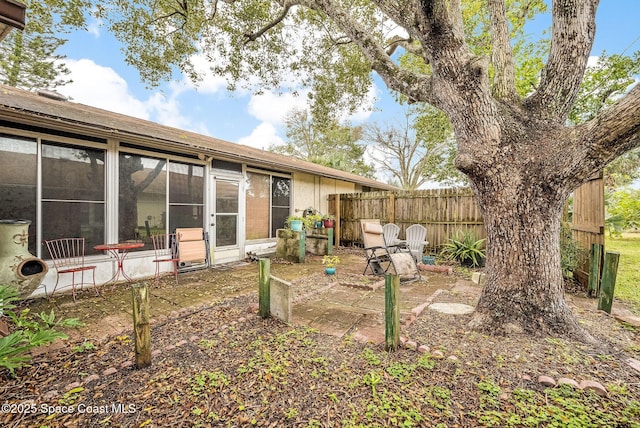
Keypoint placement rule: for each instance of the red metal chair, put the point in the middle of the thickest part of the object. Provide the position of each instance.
(67, 255)
(166, 251)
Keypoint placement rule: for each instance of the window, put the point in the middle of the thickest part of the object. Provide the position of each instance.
(73, 193)
(18, 182)
(146, 192)
(142, 198)
(186, 195)
(268, 204)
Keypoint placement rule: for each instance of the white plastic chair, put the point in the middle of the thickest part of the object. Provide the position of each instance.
(390, 231)
(416, 235)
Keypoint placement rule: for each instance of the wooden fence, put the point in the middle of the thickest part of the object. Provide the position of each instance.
(444, 212)
(587, 222)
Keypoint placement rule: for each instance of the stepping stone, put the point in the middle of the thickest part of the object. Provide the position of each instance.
(452, 308)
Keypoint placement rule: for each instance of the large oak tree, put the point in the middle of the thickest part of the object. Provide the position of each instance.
(518, 151)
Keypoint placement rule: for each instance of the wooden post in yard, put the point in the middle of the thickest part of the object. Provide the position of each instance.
(392, 311)
(330, 241)
(336, 226)
(141, 327)
(264, 288)
(593, 289)
(609, 273)
(302, 246)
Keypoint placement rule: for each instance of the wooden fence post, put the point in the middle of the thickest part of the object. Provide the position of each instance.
(141, 327)
(595, 258)
(609, 273)
(264, 288)
(330, 241)
(302, 246)
(392, 311)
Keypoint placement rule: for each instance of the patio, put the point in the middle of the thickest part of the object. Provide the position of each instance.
(347, 303)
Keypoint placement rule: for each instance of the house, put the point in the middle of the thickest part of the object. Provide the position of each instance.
(78, 171)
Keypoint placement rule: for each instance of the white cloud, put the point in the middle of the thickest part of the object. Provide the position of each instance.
(210, 83)
(102, 87)
(263, 136)
(273, 108)
(94, 28)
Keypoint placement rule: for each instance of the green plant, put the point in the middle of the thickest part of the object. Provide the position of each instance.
(85, 346)
(330, 261)
(312, 220)
(294, 218)
(571, 253)
(328, 217)
(29, 331)
(466, 249)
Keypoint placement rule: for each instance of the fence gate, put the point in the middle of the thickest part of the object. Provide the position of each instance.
(587, 223)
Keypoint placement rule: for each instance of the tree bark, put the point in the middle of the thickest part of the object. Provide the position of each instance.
(524, 291)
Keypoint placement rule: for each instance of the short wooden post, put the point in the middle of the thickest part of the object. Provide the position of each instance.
(264, 288)
(330, 241)
(336, 225)
(302, 246)
(609, 273)
(141, 327)
(595, 258)
(392, 311)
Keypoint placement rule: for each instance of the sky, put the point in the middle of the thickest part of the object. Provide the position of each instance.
(102, 79)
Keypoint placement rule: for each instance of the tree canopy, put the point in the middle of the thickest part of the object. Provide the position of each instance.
(28, 58)
(510, 117)
(325, 142)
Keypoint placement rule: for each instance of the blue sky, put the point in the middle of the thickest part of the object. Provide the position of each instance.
(102, 79)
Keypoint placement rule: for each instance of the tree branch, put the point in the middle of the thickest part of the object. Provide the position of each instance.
(416, 87)
(616, 130)
(504, 85)
(251, 37)
(406, 43)
(571, 42)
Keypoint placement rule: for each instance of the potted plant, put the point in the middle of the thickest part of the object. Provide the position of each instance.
(328, 221)
(330, 261)
(313, 221)
(466, 249)
(295, 222)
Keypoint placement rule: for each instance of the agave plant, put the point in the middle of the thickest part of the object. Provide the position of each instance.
(466, 249)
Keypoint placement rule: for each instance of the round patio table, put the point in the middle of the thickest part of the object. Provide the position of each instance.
(119, 251)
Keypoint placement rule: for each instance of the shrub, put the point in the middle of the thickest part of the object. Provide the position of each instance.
(466, 249)
(571, 253)
(29, 331)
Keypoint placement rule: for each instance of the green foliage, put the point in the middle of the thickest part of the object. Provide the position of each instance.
(84, 347)
(466, 249)
(322, 140)
(628, 277)
(571, 253)
(603, 84)
(207, 381)
(28, 331)
(28, 58)
(623, 210)
(330, 260)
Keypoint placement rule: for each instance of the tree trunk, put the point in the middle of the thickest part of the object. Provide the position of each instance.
(524, 291)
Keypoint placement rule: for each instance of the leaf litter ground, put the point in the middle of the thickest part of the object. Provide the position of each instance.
(219, 364)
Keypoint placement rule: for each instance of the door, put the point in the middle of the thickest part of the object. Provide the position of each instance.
(225, 216)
